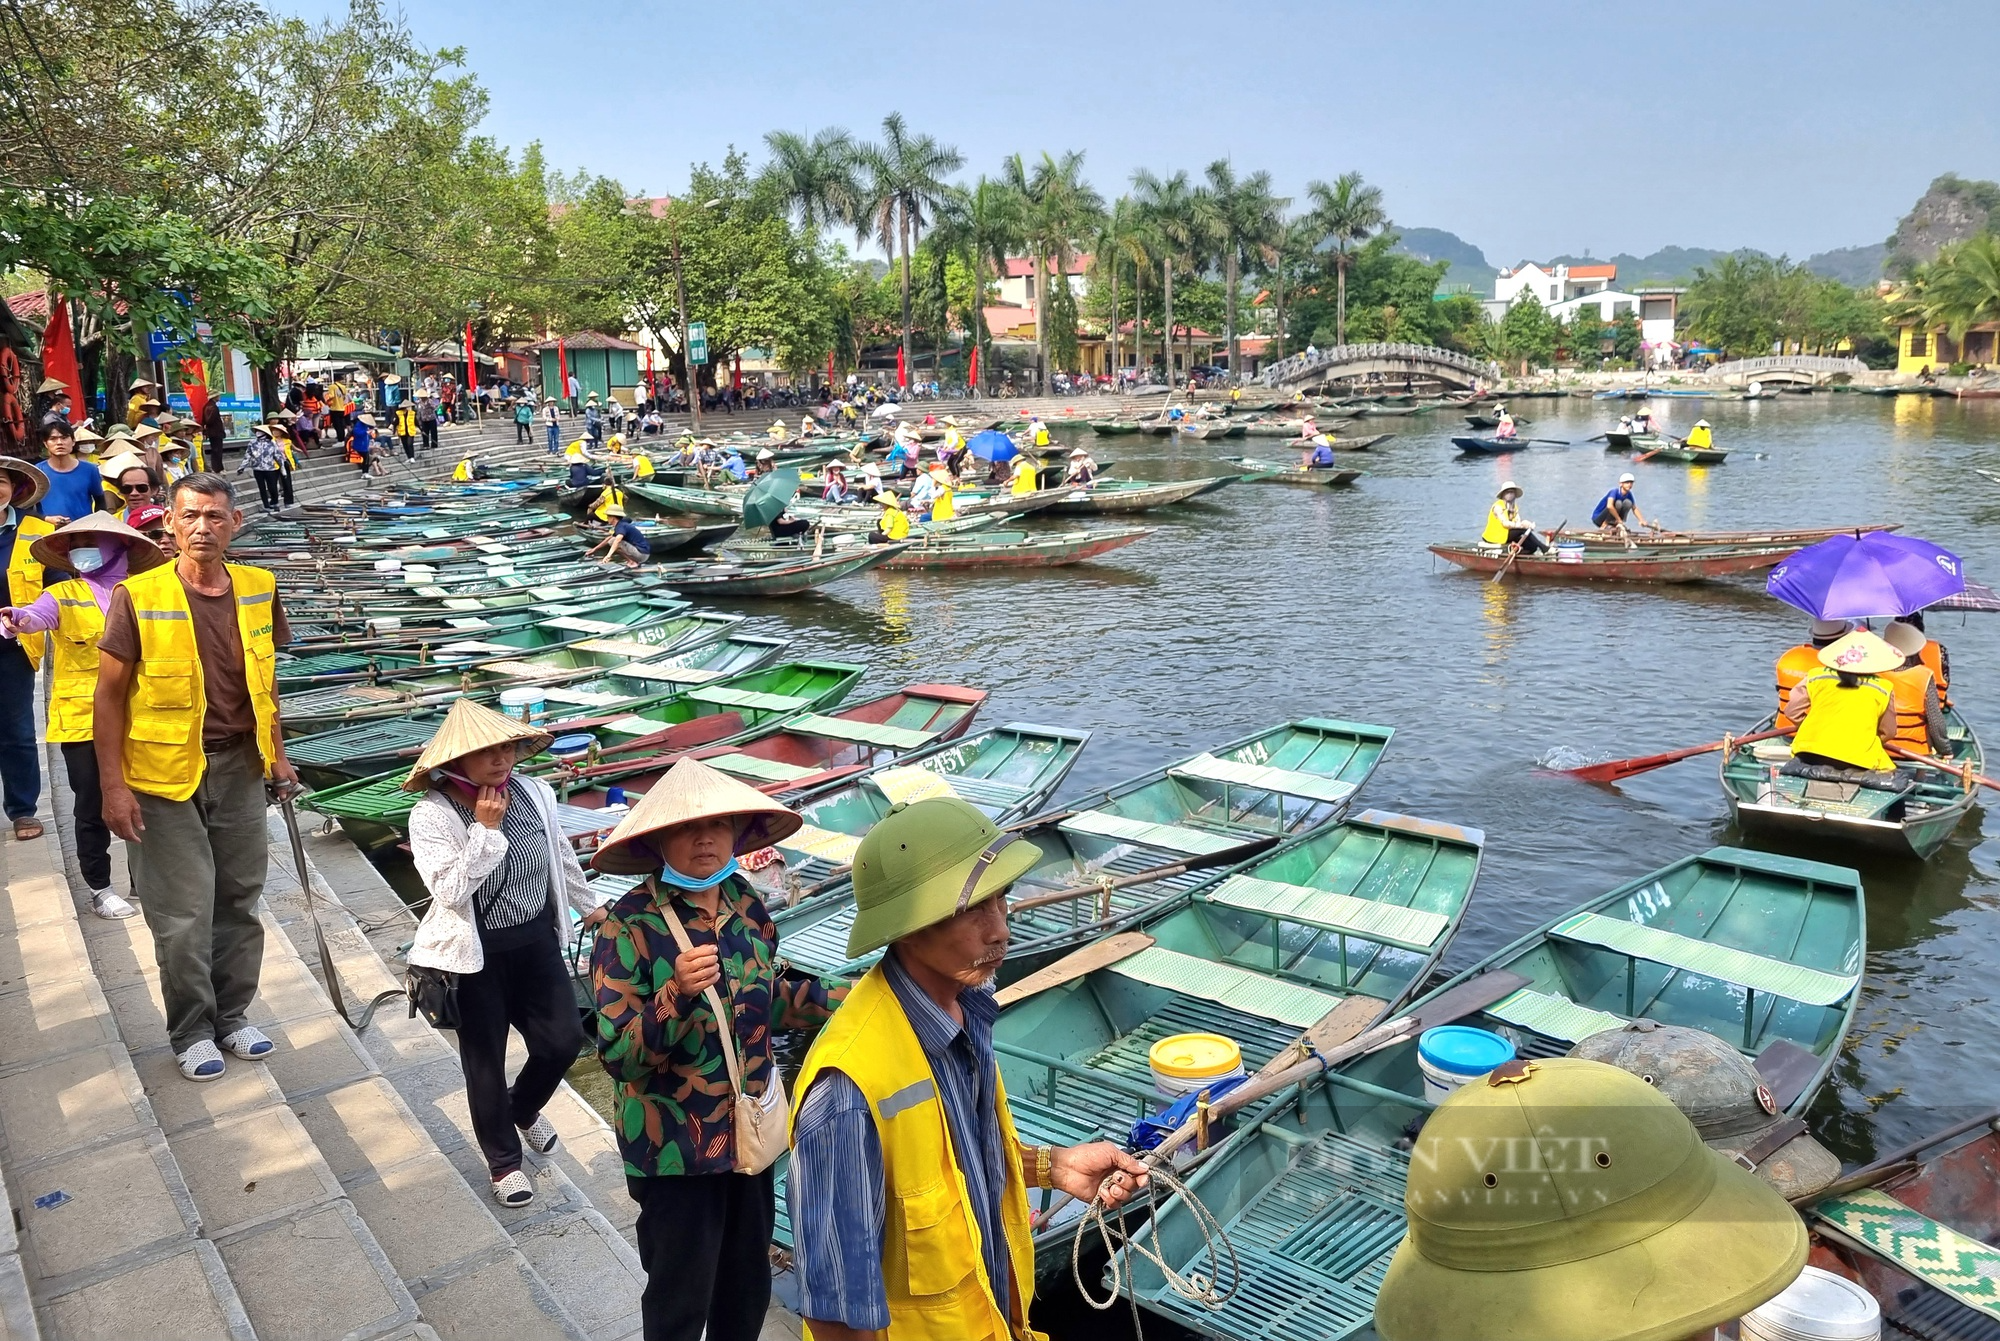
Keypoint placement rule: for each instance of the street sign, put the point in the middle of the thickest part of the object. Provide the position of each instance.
(697, 342)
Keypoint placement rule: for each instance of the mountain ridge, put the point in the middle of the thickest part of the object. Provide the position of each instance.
(1671, 265)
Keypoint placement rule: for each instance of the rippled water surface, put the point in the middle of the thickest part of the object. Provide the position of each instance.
(1262, 603)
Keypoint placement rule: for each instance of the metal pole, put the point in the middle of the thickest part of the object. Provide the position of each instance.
(687, 356)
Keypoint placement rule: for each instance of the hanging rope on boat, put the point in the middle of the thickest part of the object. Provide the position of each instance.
(1194, 1288)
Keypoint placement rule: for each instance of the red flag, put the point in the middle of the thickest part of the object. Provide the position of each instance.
(972, 370)
(736, 374)
(652, 388)
(829, 367)
(902, 373)
(194, 381)
(562, 370)
(471, 365)
(59, 355)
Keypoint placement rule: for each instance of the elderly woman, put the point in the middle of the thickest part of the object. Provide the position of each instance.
(704, 1223)
(502, 880)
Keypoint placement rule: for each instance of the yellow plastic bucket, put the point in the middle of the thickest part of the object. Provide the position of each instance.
(1188, 1063)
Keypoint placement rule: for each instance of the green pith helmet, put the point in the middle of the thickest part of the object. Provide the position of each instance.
(926, 862)
(1722, 1093)
(1565, 1200)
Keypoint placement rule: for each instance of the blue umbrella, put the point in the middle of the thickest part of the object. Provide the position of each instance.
(1878, 574)
(993, 445)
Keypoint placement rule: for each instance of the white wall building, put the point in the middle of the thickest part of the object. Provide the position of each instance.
(1018, 287)
(1551, 284)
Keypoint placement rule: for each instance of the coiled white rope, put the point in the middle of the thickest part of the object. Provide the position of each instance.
(1195, 1289)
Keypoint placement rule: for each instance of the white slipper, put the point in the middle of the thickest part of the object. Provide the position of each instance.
(539, 1135)
(107, 904)
(514, 1189)
(249, 1042)
(202, 1062)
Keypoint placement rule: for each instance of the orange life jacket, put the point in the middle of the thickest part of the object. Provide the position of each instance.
(1796, 663)
(1910, 684)
(1932, 655)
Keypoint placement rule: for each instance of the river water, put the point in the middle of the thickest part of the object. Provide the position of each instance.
(1262, 603)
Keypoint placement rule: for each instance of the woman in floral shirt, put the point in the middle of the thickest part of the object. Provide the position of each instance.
(704, 1230)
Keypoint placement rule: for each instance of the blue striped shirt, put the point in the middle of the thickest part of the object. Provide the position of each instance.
(834, 1189)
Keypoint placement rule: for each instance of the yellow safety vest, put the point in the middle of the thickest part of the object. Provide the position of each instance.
(1041, 436)
(612, 497)
(942, 507)
(1024, 477)
(1503, 518)
(168, 700)
(1700, 437)
(1841, 722)
(953, 439)
(462, 472)
(932, 1270)
(73, 681)
(895, 523)
(24, 578)
(642, 467)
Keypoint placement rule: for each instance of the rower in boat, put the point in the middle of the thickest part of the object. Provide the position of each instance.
(767, 462)
(1619, 508)
(809, 427)
(1795, 663)
(1318, 454)
(1505, 526)
(1023, 477)
(642, 465)
(1504, 430)
(730, 463)
(893, 524)
(1643, 422)
(1082, 471)
(943, 508)
(1935, 656)
(1038, 433)
(626, 542)
(1846, 710)
(923, 493)
(1701, 435)
(1920, 722)
(612, 497)
(777, 432)
(468, 469)
(1308, 431)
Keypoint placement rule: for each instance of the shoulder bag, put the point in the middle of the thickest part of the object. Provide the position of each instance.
(433, 992)
(761, 1122)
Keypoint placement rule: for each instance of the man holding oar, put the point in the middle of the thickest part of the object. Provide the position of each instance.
(903, 1111)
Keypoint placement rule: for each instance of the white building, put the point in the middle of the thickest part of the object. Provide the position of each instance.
(1610, 305)
(1018, 287)
(1551, 284)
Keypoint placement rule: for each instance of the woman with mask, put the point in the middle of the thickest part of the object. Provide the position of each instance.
(102, 551)
(502, 879)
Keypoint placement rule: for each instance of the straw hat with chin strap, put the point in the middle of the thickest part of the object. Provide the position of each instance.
(1860, 653)
(927, 862)
(692, 790)
(467, 729)
(141, 554)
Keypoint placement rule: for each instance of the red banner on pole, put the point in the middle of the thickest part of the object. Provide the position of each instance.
(902, 372)
(471, 363)
(972, 370)
(829, 367)
(59, 355)
(736, 374)
(562, 370)
(194, 381)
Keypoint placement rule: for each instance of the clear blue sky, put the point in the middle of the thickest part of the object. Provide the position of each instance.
(1530, 129)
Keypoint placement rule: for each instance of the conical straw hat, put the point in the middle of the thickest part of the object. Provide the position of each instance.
(141, 554)
(1860, 653)
(467, 729)
(692, 790)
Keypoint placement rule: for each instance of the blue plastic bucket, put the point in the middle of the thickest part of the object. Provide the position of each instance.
(1452, 1054)
(572, 748)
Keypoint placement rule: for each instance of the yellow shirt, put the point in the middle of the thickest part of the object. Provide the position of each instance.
(1503, 517)
(895, 522)
(1024, 476)
(1700, 436)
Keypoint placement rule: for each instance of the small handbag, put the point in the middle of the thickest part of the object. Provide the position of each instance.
(433, 994)
(762, 1121)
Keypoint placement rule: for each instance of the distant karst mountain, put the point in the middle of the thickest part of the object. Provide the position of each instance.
(1468, 264)
(1952, 210)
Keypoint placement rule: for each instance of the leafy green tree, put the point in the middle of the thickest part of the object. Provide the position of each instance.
(1241, 216)
(981, 225)
(1625, 339)
(815, 175)
(1172, 216)
(1958, 290)
(1583, 337)
(1527, 335)
(1346, 213)
(1121, 238)
(1059, 209)
(904, 185)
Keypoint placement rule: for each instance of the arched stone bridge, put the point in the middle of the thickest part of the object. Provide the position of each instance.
(1328, 365)
(1799, 369)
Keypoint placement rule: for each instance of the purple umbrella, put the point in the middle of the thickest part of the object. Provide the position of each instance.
(1880, 574)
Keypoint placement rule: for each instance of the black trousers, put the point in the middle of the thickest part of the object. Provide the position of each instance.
(705, 1241)
(267, 487)
(285, 485)
(429, 434)
(521, 432)
(527, 989)
(409, 441)
(93, 839)
(20, 757)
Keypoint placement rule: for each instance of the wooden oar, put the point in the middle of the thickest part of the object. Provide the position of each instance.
(1517, 550)
(1598, 437)
(1956, 770)
(1076, 964)
(1625, 768)
(1548, 442)
(1228, 856)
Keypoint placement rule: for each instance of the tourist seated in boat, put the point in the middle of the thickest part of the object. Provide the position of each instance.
(1082, 468)
(1920, 722)
(1625, 425)
(1038, 433)
(893, 524)
(1505, 431)
(809, 427)
(1317, 456)
(767, 462)
(1505, 526)
(611, 497)
(1619, 509)
(1701, 435)
(1846, 711)
(1795, 663)
(626, 541)
(1935, 656)
(1024, 477)
(923, 493)
(915, 1039)
(833, 488)
(777, 432)
(785, 526)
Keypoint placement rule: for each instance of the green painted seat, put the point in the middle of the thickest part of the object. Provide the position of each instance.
(578, 624)
(1264, 778)
(862, 733)
(1171, 837)
(728, 696)
(764, 770)
(1553, 1016)
(1227, 985)
(668, 674)
(1937, 1254)
(1392, 924)
(1758, 973)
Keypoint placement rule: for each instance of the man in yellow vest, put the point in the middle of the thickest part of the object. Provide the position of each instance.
(1795, 663)
(187, 732)
(902, 1107)
(21, 487)
(102, 551)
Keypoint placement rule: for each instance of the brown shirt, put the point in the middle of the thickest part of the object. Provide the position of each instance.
(220, 642)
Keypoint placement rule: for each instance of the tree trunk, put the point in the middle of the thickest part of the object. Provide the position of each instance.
(1167, 336)
(1278, 292)
(1138, 317)
(1114, 318)
(1041, 330)
(903, 235)
(1229, 278)
(1340, 299)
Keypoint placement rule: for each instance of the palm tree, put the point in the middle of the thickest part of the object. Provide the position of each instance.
(982, 225)
(814, 175)
(1058, 208)
(1243, 219)
(1961, 288)
(1346, 213)
(1121, 237)
(905, 185)
(1169, 206)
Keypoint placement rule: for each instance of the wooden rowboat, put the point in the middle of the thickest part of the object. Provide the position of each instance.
(1111, 428)
(1472, 446)
(1016, 549)
(760, 581)
(1109, 496)
(1765, 952)
(1913, 823)
(1649, 540)
(1282, 472)
(1621, 565)
(1676, 450)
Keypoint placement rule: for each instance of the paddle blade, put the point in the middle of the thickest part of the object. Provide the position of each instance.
(1470, 996)
(1625, 768)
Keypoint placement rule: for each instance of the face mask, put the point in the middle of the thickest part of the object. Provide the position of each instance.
(668, 875)
(440, 774)
(86, 559)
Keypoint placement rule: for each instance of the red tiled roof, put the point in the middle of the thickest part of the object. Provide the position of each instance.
(32, 305)
(1008, 317)
(582, 340)
(1018, 266)
(1593, 272)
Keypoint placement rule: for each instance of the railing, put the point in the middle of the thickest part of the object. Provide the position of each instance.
(1286, 369)
(1813, 363)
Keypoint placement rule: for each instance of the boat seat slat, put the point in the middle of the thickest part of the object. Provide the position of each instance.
(1937, 1254)
(1554, 1016)
(983, 790)
(1227, 985)
(621, 647)
(474, 646)
(527, 670)
(634, 725)
(1171, 837)
(1288, 781)
(764, 770)
(1409, 928)
(731, 697)
(862, 733)
(1757, 972)
(582, 698)
(669, 674)
(578, 624)
(910, 785)
(824, 843)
